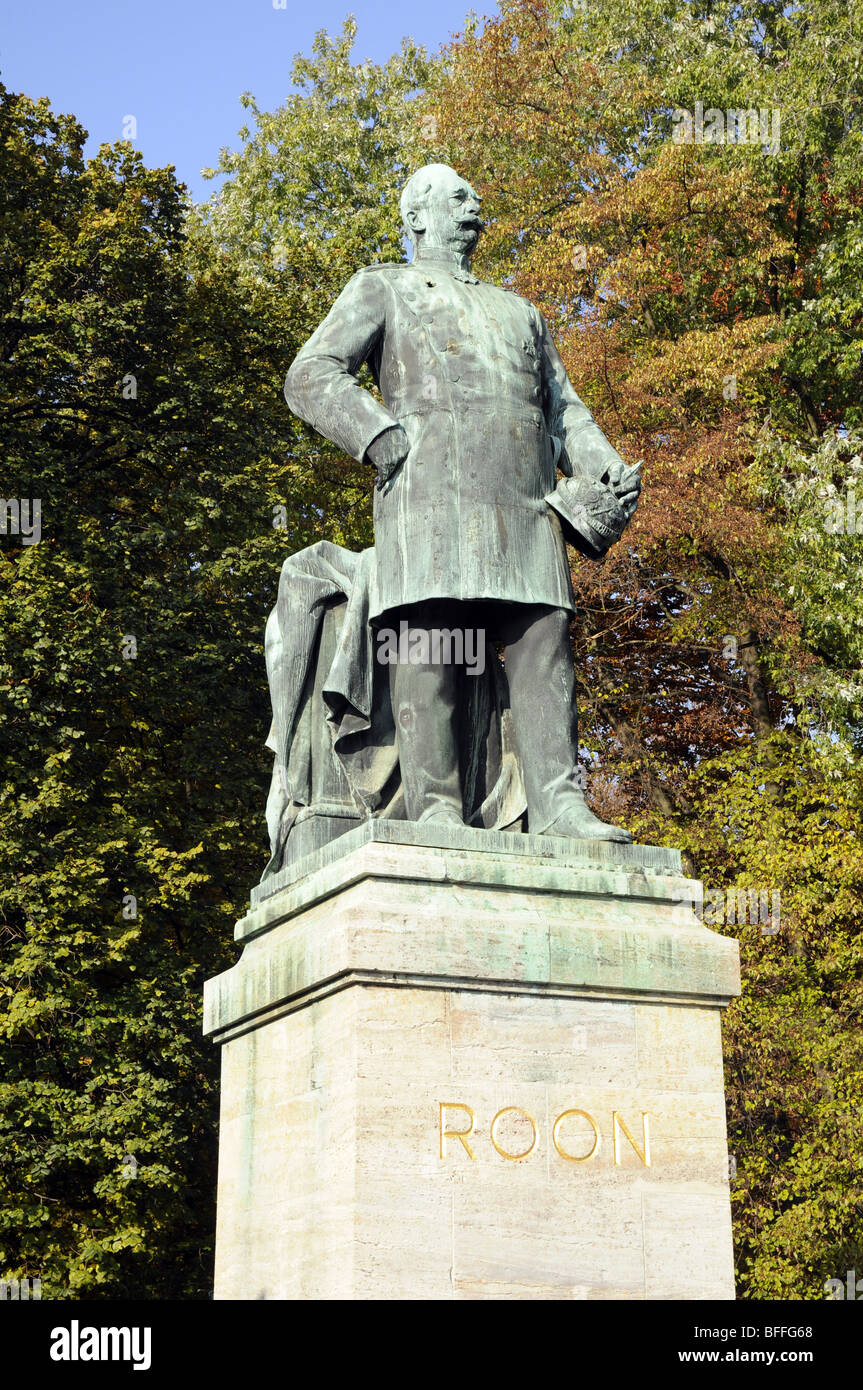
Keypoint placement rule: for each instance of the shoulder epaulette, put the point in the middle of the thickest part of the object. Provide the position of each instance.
(384, 265)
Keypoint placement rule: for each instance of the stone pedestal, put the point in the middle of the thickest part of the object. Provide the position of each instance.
(458, 1064)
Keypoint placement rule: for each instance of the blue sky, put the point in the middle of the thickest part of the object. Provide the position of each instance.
(179, 66)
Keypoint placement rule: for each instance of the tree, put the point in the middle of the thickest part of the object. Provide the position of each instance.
(706, 300)
(312, 194)
(310, 197)
(143, 346)
(140, 399)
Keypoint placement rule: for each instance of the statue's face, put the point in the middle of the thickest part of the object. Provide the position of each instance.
(450, 219)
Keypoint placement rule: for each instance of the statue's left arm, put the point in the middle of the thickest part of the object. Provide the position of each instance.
(585, 451)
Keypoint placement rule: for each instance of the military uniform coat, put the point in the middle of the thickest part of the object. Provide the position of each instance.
(471, 373)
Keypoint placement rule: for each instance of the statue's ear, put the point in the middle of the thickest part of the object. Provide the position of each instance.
(414, 219)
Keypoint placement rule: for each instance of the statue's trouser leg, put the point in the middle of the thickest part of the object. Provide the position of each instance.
(425, 708)
(541, 680)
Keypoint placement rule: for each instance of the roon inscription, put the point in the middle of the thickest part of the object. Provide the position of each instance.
(575, 1135)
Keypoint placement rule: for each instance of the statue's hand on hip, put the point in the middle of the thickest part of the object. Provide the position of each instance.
(387, 453)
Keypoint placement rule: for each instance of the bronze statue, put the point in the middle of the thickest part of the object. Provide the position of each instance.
(478, 416)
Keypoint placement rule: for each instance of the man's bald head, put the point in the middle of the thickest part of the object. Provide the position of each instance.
(440, 210)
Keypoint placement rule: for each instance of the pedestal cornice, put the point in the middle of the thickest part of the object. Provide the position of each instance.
(394, 904)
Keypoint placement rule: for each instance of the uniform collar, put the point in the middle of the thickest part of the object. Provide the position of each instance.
(432, 267)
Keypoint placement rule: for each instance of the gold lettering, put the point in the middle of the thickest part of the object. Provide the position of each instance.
(507, 1110)
(619, 1124)
(460, 1134)
(575, 1158)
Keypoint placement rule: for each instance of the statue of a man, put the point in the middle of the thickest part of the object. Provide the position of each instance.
(478, 415)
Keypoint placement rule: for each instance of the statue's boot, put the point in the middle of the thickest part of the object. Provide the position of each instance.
(541, 682)
(424, 701)
(579, 823)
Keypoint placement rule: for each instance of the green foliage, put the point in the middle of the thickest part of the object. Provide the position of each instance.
(721, 699)
(313, 193)
(722, 682)
(310, 197)
(794, 1074)
(816, 487)
(147, 775)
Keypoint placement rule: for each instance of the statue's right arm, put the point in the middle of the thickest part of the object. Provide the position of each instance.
(321, 385)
